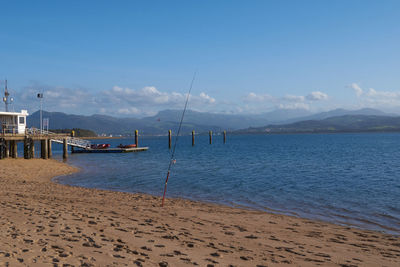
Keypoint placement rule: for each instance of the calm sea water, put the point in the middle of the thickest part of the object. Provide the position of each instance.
(351, 179)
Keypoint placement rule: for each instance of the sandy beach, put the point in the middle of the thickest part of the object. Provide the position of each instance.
(47, 224)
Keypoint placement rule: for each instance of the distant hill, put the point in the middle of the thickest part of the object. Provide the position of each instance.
(102, 124)
(339, 112)
(201, 122)
(224, 121)
(78, 132)
(346, 123)
(162, 122)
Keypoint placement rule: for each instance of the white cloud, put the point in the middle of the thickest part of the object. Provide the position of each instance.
(148, 94)
(129, 111)
(317, 96)
(356, 88)
(149, 100)
(294, 98)
(377, 98)
(207, 98)
(382, 94)
(55, 98)
(266, 102)
(294, 106)
(252, 97)
(117, 100)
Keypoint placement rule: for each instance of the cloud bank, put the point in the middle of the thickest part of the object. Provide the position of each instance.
(285, 102)
(115, 101)
(123, 101)
(376, 98)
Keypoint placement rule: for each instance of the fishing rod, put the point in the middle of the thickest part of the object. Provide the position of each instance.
(172, 161)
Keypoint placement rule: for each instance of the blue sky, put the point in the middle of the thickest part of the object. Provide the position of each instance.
(133, 58)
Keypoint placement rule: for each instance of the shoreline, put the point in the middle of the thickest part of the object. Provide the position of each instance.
(46, 222)
(379, 228)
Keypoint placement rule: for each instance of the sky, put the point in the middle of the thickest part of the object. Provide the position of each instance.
(135, 58)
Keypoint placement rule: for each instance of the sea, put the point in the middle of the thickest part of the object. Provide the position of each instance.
(347, 179)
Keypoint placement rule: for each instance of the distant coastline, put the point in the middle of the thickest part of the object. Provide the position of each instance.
(105, 137)
(338, 124)
(203, 122)
(316, 132)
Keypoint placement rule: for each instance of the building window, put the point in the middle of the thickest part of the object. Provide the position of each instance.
(21, 120)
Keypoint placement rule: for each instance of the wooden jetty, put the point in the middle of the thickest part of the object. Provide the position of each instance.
(9, 143)
(13, 130)
(111, 150)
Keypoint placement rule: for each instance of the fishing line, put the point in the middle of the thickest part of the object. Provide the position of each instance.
(172, 161)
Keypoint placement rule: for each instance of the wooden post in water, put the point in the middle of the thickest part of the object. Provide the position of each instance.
(26, 148)
(44, 149)
(224, 137)
(210, 134)
(14, 149)
(65, 149)
(193, 138)
(49, 152)
(169, 139)
(137, 138)
(72, 135)
(31, 152)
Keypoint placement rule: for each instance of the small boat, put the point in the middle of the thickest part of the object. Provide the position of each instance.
(127, 146)
(99, 146)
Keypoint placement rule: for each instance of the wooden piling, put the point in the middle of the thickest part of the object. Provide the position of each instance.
(169, 139)
(31, 153)
(1, 148)
(210, 134)
(7, 147)
(26, 148)
(11, 148)
(193, 138)
(224, 137)
(44, 149)
(65, 148)
(49, 152)
(14, 149)
(72, 135)
(137, 138)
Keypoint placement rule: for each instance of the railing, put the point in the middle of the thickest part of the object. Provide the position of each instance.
(72, 141)
(35, 131)
(9, 129)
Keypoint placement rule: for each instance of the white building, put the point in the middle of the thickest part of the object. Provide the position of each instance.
(13, 122)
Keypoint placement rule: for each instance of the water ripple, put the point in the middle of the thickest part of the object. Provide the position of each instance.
(342, 178)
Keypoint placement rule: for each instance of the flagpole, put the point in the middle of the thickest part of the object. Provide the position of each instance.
(41, 115)
(40, 95)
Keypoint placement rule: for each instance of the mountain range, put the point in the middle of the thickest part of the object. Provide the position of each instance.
(201, 122)
(345, 123)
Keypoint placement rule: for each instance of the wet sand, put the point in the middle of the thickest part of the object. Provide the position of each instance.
(48, 224)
